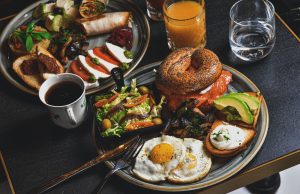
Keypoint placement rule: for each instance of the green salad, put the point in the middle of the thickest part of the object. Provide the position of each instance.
(127, 110)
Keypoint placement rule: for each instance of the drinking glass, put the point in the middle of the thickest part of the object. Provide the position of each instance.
(154, 9)
(252, 29)
(185, 23)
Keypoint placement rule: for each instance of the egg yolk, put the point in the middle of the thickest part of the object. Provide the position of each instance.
(191, 160)
(161, 153)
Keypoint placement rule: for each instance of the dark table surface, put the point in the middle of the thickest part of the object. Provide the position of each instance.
(36, 150)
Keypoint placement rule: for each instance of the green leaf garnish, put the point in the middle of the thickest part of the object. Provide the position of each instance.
(29, 36)
(29, 43)
(30, 27)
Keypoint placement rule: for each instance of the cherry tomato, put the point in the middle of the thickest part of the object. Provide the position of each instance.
(136, 101)
(138, 125)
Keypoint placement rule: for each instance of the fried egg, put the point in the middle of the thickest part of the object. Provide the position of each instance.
(158, 157)
(195, 165)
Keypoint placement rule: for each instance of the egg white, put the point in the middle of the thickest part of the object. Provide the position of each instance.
(184, 173)
(147, 170)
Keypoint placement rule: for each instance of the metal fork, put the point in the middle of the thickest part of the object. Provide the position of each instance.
(124, 162)
(294, 13)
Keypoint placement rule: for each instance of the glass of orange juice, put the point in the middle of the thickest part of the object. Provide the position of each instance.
(185, 23)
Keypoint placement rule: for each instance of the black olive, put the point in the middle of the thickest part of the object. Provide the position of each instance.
(57, 11)
(84, 45)
(71, 51)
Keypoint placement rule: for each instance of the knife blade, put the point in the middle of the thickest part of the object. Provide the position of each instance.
(103, 157)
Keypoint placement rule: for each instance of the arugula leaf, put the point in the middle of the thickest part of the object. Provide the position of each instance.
(29, 43)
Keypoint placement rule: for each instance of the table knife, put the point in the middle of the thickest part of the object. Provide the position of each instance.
(57, 180)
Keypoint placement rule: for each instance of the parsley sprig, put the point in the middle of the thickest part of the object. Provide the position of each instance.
(27, 36)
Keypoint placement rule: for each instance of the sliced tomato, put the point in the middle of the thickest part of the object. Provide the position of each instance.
(136, 101)
(97, 67)
(101, 103)
(99, 51)
(79, 70)
(23, 28)
(139, 124)
(18, 45)
(113, 98)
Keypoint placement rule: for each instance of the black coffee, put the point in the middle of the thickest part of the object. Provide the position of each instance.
(63, 93)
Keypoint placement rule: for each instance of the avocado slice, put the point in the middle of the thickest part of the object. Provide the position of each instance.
(251, 101)
(42, 9)
(239, 105)
(57, 22)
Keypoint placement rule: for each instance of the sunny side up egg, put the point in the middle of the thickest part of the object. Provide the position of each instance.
(195, 165)
(158, 157)
(173, 159)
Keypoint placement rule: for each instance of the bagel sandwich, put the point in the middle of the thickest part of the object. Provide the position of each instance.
(34, 69)
(226, 140)
(189, 73)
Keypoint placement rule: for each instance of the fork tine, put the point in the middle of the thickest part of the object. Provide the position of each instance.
(132, 149)
(139, 149)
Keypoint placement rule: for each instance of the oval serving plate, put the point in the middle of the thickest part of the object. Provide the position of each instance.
(141, 38)
(221, 169)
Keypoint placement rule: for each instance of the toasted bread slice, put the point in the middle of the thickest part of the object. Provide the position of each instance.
(35, 80)
(227, 153)
(241, 123)
(43, 71)
(21, 51)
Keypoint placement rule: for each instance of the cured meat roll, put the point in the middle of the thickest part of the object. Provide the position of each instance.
(104, 23)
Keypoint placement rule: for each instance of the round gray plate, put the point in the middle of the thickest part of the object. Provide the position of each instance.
(141, 37)
(222, 168)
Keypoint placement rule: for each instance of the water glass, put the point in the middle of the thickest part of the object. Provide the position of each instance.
(252, 29)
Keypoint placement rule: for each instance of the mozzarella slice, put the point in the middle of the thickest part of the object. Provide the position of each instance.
(91, 70)
(47, 75)
(87, 85)
(118, 53)
(104, 63)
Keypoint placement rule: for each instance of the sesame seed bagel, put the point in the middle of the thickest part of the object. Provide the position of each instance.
(188, 70)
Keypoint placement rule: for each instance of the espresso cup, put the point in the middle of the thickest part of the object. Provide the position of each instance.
(71, 114)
